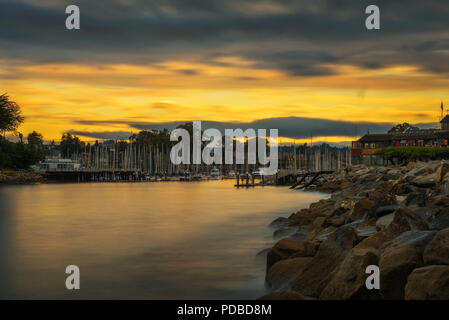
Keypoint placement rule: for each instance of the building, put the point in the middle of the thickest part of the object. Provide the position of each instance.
(364, 149)
(57, 165)
(445, 123)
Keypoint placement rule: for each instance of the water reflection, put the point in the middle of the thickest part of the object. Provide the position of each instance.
(142, 240)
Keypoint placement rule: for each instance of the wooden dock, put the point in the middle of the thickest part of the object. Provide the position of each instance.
(248, 180)
(301, 179)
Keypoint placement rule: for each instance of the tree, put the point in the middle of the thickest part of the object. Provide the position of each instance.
(18, 155)
(71, 145)
(35, 139)
(10, 115)
(403, 127)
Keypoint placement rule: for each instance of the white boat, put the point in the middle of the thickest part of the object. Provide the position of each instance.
(215, 174)
(257, 173)
(231, 174)
(197, 177)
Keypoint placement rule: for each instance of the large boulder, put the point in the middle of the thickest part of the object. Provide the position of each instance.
(428, 283)
(348, 281)
(423, 168)
(361, 208)
(403, 188)
(441, 172)
(301, 234)
(323, 207)
(279, 222)
(444, 185)
(331, 253)
(440, 221)
(284, 248)
(334, 221)
(426, 181)
(382, 194)
(376, 241)
(406, 219)
(398, 259)
(392, 174)
(437, 251)
(302, 217)
(439, 201)
(285, 232)
(385, 221)
(282, 272)
(372, 217)
(384, 210)
(416, 198)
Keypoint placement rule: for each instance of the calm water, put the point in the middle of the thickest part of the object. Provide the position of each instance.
(164, 240)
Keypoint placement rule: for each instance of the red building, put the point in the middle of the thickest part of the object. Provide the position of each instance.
(363, 150)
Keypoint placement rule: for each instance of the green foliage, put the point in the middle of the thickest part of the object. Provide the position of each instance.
(10, 115)
(35, 139)
(401, 128)
(19, 155)
(71, 145)
(409, 153)
(152, 137)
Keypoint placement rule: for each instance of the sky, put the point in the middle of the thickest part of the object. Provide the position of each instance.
(308, 68)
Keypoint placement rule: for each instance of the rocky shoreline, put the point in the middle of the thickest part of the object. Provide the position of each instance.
(20, 177)
(396, 218)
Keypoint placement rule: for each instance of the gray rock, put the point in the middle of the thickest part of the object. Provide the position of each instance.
(348, 280)
(365, 231)
(300, 235)
(440, 221)
(392, 174)
(279, 222)
(382, 211)
(286, 247)
(437, 251)
(282, 272)
(399, 258)
(441, 172)
(406, 219)
(416, 198)
(316, 275)
(361, 208)
(384, 221)
(428, 283)
(423, 168)
(285, 232)
(445, 188)
(323, 237)
(426, 181)
(439, 201)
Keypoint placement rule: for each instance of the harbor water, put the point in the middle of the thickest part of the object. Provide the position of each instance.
(163, 240)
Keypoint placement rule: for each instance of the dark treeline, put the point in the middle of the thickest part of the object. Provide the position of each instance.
(18, 155)
(21, 155)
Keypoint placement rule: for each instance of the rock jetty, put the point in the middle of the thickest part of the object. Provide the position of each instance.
(394, 217)
(20, 177)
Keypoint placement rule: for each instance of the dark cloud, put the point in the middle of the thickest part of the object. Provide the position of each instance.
(298, 37)
(103, 135)
(289, 127)
(188, 72)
